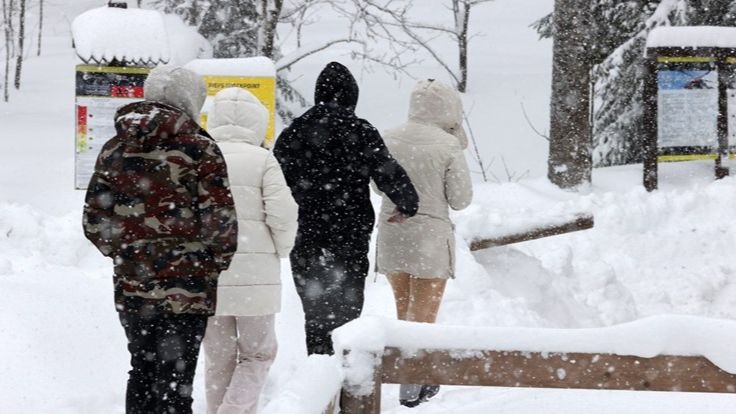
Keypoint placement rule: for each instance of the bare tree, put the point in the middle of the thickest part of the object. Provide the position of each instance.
(570, 152)
(21, 41)
(40, 26)
(395, 15)
(8, 31)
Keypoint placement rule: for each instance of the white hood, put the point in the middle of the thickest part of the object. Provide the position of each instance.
(237, 116)
(177, 87)
(434, 103)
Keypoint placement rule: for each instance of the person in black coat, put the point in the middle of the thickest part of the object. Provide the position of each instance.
(329, 156)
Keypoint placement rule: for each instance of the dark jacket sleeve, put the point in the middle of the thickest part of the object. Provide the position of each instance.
(219, 224)
(288, 160)
(98, 219)
(389, 176)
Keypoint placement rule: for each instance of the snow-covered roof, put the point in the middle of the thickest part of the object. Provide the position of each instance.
(693, 36)
(255, 66)
(131, 36)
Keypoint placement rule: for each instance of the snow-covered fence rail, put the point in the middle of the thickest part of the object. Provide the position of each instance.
(313, 389)
(580, 222)
(666, 353)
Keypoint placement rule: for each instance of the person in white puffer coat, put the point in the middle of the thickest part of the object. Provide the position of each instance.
(240, 343)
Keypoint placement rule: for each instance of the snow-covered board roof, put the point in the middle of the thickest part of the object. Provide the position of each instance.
(255, 66)
(645, 338)
(693, 37)
(130, 36)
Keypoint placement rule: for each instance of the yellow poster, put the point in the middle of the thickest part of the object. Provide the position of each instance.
(264, 88)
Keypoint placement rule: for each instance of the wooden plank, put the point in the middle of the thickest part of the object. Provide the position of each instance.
(572, 371)
(582, 222)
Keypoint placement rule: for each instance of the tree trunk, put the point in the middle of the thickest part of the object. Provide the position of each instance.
(40, 26)
(462, 85)
(570, 158)
(21, 39)
(7, 16)
(270, 22)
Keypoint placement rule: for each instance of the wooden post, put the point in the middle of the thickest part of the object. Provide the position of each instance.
(364, 404)
(720, 170)
(651, 91)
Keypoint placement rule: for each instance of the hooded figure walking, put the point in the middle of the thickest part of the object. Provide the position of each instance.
(328, 156)
(159, 204)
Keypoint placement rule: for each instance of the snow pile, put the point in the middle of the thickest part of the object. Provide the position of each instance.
(310, 390)
(692, 36)
(186, 43)
(133, 36)
(665, 335)
(259, 66)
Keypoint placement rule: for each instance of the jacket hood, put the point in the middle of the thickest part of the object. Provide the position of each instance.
(336, 86)
(177, 87)
(437, 104)
(237, 116)
(147, 122)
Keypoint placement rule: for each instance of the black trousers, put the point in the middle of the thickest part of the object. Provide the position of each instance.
(163, 357)
(330, 281)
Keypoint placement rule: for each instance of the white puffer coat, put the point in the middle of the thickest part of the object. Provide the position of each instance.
(267, 213)
(430, 148)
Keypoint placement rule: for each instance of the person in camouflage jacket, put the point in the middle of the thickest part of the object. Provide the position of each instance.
(159, 204)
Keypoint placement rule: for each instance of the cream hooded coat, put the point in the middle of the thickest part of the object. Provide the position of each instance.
(267, 213)
(430, 148)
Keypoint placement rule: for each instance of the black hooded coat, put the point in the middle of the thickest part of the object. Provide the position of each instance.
(329, 155)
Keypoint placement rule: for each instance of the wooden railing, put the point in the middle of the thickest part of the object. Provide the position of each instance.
(581, 222)
(537, 370)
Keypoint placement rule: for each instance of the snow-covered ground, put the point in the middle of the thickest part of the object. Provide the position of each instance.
(63, 350)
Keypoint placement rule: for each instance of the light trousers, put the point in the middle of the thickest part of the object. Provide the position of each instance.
(239, 351)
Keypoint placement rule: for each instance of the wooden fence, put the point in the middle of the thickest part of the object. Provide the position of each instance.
(537, 370)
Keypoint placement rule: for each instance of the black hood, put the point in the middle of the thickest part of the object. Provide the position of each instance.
(336, 86)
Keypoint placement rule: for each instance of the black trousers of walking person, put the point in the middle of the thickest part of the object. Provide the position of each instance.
(163, 357)
(330, 281)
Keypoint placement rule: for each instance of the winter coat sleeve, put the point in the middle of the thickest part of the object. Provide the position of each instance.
(98, 218)
(219, 224)
(280, 208)
(458, 187)
(284, 154)
(389, 176)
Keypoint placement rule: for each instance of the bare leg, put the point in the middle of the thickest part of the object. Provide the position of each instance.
(401, 287)
(425, 298)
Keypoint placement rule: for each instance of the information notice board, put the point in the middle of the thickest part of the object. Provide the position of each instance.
(100, 91)
(687, 113)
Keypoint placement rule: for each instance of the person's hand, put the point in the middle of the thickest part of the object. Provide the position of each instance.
(397, 217)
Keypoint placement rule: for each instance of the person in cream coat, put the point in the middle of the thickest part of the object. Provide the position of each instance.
(240, 343)
(418, 256)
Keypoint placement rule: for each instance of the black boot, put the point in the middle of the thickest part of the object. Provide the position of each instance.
(413, 395)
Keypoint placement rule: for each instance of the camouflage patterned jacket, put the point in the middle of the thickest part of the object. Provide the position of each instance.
(159, 204)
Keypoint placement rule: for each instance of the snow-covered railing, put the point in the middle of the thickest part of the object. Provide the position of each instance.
(313, 389)
(662, 353)
(578, 222)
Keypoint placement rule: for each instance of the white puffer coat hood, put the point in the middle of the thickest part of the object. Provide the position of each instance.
(177, 87)
(237, 116)
(434, 103)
